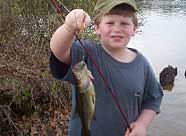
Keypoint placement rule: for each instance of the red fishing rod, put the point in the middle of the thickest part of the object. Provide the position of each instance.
(63, 10)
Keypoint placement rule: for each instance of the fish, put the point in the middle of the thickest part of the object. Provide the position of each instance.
(85, 96)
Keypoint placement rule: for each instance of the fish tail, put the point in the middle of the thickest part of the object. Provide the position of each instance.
(85, 132)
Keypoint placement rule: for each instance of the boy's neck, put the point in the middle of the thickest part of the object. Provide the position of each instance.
(122, 55)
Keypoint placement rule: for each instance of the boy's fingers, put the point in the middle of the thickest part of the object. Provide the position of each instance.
(77, 19)
(130, 133)
(133, 132)
(87, 20)
(80, 21)
(127, 132)
(83, 21)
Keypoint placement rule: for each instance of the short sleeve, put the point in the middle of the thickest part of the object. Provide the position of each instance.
(58, 69)
(153, 92)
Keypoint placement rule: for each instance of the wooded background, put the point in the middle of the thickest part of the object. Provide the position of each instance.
(32, 102)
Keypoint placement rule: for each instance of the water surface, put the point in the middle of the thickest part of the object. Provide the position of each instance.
(162, 39)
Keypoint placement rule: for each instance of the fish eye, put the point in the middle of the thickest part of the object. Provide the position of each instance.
(83, 64)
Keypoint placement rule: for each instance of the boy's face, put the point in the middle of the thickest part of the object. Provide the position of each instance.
(115, 31)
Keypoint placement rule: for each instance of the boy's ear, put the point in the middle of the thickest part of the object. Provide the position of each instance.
(134, 31)
(96, 29)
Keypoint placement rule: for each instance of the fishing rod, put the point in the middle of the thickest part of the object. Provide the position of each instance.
(61, 9)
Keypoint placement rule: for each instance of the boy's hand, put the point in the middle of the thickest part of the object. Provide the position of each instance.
(138, 129)
(77, 20)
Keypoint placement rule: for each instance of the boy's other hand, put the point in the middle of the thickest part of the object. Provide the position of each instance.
(77, 20)
(138, 129)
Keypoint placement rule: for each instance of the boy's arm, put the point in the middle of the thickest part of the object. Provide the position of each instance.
(140, 126)
(63, 38)
(146, 117)
(61, 42)
(58, 69)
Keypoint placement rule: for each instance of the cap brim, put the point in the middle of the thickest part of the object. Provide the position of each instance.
(118, 2)
(105, 9)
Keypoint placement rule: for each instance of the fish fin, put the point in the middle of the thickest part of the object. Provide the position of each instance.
(94, 101)
(77, 101)
(91, 76)
(85, 132)
(94, 116)
(93, 97)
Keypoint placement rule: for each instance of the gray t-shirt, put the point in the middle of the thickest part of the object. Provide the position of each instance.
(134, 85)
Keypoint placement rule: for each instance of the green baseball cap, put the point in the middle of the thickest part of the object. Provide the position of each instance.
(104, 6)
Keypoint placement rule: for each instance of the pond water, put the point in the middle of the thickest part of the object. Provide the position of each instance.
(162, 39)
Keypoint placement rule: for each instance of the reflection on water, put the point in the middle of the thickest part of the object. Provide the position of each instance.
(162, 40)
(168, 87)
(165, 7)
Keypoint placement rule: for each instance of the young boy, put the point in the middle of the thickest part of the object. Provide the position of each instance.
(126, 69)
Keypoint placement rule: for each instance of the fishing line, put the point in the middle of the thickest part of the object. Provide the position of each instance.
(112, 91)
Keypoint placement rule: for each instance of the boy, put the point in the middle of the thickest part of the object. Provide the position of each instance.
(126, 70)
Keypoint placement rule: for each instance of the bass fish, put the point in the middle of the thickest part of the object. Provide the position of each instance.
(85, 96)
